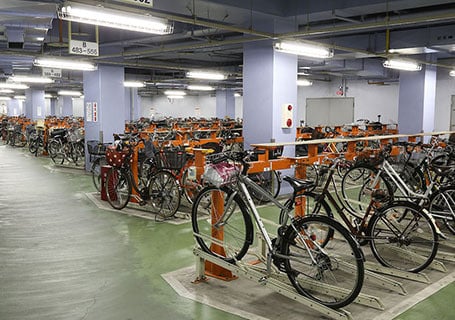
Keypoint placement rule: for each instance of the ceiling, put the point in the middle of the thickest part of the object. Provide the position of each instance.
(211, 35)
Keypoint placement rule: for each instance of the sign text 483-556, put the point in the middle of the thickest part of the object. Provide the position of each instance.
(84, 48)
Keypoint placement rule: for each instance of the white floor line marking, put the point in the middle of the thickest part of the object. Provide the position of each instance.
(412, 301)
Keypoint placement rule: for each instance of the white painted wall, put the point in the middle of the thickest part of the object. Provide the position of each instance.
(445, 88)
(190, 106)
(369, 100)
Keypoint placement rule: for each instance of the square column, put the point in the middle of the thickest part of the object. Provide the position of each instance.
(104, 104)
(34, 104)
(225, 104)
(269, 83)
(133, 109)
(417, 98)
(67, 107)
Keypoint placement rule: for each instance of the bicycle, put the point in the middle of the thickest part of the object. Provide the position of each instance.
(361, 180)
(97, 158)
(314, 251)
(161, 190)
(401, 234)
(36, 142)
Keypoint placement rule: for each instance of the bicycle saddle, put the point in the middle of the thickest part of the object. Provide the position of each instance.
(299, 184)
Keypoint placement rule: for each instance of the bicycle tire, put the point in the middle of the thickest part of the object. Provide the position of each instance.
(33, 146)
(442, 206)
(55, 151)
(96, 172)
(20, 140)
(402, 236)
(164, 194)
(190, 187)
(118, 188)
(308, 199)
(237, 230)
(338, 263)
(270, 181)
(356, 189)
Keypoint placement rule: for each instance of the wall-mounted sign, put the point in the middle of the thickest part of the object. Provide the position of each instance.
(84, 48)
(52, 72)
(88, 112)
(95, 112)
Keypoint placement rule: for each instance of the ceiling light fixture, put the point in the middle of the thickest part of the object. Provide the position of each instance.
(452, 73)
(5, 98)
(69, 93)
(175, 93)
(304, 49)
(19, 97)
(9, 85)
(6, 91)
(48, 96)
(237, 95)
(206, 75)
(405, 65)
(304, 82)
(174, 97)
(30, 79)
(64, 64)
(200, 88)
(133, 84)
(97, 15)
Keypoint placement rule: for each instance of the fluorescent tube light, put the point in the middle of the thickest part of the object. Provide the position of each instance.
(64, 64)
(30, 79)
(9, 85)
(175, 93)
(48, 96)
(19, 97)
(406, 65)
(5, 98)
(175, 97)
(200, 88)
(6, 91)
(100, 16)
(69, 93)
(206, 75)
(237, 95)
(304, 49)
(452, 73)
(133, 84)
(304, 82)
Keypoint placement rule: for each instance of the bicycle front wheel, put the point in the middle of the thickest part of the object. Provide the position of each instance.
(164, 194)
(96, 172)
(118, 188)
(221, 223)
(442, 206)
(314, 265)
(402, 236)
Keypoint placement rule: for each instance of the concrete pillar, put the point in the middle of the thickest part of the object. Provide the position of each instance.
(416, 104)
(53, 106)
(133, 109)
(225, 104)
(104, 104)
(67, 107)
(269, 83)
(35, 104)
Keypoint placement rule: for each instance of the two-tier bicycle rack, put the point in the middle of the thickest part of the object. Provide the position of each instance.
(374, 273)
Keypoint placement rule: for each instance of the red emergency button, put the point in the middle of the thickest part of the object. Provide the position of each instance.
(289, 122)
(289, 107)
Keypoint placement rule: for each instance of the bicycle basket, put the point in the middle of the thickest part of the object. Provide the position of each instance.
(116, 158)
(94, 147)
(170, 159)
(220, 174)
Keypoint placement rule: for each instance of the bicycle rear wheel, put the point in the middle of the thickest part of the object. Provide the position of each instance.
(118, 188)
(221, 223)
(402, 236)
(314, 267)
(164, 194)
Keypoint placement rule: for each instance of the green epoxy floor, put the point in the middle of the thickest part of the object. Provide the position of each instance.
(61, 257)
